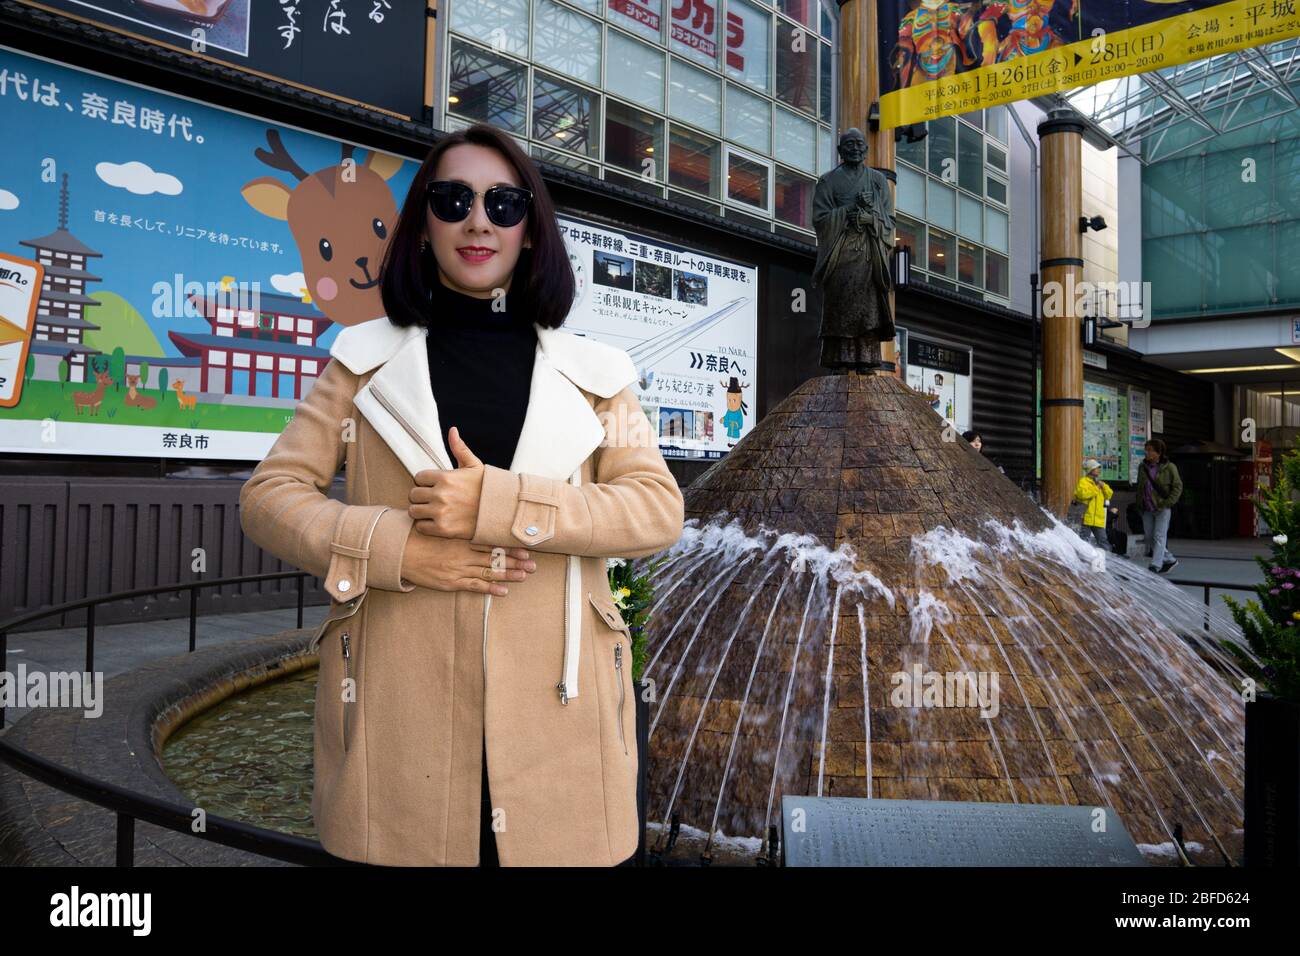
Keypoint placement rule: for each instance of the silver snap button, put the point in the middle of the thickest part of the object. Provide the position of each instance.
(345, 585)
(531, 529)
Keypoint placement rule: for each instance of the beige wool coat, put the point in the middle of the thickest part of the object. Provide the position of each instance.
(412, 679)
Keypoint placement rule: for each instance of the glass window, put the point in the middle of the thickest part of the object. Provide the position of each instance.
(487, 88)
(942, 252)
(794, 196)
(910, 233)
(970, 217)
(970, 167)
(566, 41)
(910, 194)
(633, 140)
(565, 115)
(804, 11)
(975, 118)
(796, 66)
(824, 97)
(693, 31)
(995, 229)
(941, 204)
(827, 157)
(794, 140)
(694, 161)
(749, 44)
(695, 96)
(970, 263)
(591, 6)
(747, 180)
(995, 274)
(642, 17)
(828, 25)
(749, 119)
(943, 148)
(564, 159)
(998, 158)
(500, 24)
(997, 189)
(997, 122)
(635, 71)
(913, 153)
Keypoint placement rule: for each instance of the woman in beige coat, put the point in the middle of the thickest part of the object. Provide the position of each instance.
(471, 610)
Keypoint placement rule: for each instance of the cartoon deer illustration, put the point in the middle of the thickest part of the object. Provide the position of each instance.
(134, 398)
(186, 401)
(340, 217)
(93, 399)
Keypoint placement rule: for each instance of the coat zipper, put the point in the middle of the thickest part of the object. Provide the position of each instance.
(618, 673)
(564, 690)
(347, 704)
(415, 435)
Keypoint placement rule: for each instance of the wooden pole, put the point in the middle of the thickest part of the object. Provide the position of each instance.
(1060, 137)
(859, 78)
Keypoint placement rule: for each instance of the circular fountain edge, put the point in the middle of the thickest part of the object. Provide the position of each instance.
(40, 825)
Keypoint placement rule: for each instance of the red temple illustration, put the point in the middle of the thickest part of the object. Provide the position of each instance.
(274, 344)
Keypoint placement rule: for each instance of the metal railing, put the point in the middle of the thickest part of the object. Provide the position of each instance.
(1206, 587)
(128, 805)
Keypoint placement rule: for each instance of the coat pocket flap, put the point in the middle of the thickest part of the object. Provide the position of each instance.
(608, 613)
(339, 610)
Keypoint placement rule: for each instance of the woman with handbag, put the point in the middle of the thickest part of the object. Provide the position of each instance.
(475, 689)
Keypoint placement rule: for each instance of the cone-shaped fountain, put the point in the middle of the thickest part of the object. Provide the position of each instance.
(860, 606)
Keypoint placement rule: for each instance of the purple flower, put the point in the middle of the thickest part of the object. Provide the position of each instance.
(1274, 591)
(1288, 586)
(1277, 572)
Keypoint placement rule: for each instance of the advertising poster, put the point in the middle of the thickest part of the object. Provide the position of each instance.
(20, 288)
(1100, 438)
(1139, 428)
(690, 323)
(368, 52)
(196, 264)
(939, 58)
(941, 374)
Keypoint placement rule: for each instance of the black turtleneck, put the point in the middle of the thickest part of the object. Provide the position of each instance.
(480, 370)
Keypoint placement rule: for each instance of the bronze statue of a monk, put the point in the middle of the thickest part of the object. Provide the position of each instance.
(853, 214)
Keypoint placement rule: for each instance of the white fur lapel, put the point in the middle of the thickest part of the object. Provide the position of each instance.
(560, 427)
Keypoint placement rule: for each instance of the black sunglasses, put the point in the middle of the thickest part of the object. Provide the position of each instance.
(505, 205)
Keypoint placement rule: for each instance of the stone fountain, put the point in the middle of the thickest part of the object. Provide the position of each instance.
(850, 568)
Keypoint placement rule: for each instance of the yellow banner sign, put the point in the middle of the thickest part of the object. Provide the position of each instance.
(940, 58)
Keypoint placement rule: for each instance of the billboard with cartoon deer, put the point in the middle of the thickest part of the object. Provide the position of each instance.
(196, 264)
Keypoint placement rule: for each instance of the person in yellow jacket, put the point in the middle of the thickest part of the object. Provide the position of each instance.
(1094, 493)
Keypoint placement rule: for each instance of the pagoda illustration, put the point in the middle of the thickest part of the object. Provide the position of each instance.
(60, 315)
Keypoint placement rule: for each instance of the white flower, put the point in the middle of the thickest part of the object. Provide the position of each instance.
(1279, 539)
(614, 563)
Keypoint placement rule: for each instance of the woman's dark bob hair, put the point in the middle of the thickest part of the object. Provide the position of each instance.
(542, 286)
(1159, 445)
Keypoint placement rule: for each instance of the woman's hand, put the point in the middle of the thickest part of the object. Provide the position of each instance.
(452, 564)
(444, 502)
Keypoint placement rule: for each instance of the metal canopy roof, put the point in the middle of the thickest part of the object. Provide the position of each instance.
(1157, 115)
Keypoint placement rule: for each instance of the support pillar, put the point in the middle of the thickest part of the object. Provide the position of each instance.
(1060, 137)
